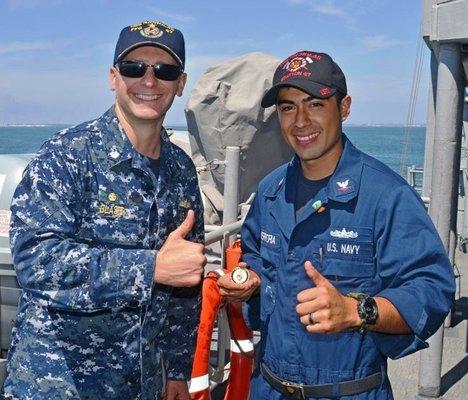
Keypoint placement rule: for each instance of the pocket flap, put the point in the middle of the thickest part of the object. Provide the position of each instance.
(347, 268)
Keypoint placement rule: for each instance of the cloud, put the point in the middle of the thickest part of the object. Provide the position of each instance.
(27, 47)
(32, 4)
(20, 47)
(173, 16)
(69, 96)
(327, 7)
(384, 101)
(107, 48)
(227, 44)
(379, 42)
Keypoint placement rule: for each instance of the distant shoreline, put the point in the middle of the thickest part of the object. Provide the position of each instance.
(183, 127)
(31, 125)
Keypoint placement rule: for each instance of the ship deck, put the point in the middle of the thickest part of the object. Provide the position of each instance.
(404, 373)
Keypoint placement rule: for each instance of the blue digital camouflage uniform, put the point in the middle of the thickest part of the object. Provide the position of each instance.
(373, 236)
(87, 220)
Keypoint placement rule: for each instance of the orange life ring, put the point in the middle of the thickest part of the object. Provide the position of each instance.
(199, 387)
(241, 356)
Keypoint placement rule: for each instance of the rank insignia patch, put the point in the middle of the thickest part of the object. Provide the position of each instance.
(185, 204)
(112, 197)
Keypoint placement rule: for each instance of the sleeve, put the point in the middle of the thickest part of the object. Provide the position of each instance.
(51, 265)
(180, 330)
(250, 244)
(415, 271)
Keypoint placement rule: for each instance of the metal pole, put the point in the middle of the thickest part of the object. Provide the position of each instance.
(230, 213)
(445, 173)
(231, 186)
(217, 234)
(454, 236)
(464, 172)
(430, 126)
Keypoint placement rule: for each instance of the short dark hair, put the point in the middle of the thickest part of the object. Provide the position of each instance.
(339, 98)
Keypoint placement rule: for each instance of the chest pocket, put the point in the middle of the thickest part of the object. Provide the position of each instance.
(347, 259)
(270, 251)
(111, 221)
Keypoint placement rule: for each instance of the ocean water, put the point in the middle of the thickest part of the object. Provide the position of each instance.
(383, 142)
(25, 139)
(388, 144)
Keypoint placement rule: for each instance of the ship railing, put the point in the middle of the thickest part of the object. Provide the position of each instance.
(414, 177)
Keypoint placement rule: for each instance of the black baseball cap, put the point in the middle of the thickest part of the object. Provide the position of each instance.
(311, 72)
(151, 33)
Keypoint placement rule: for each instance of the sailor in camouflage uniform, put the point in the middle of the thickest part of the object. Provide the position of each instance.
(106, 236)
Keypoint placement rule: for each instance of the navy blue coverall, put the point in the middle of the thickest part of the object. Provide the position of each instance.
(374, 237)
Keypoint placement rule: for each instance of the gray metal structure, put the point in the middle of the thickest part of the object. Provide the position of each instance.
(230, 215)
(445, 30)
(11, 169)
(223, 110)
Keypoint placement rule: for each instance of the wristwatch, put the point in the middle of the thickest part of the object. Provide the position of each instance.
(366, 308)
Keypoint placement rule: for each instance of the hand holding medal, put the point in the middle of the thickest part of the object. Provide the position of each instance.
(240, 284)
(240, 275)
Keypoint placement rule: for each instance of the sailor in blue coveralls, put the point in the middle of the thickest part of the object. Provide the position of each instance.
(106, 236)
(350, 267)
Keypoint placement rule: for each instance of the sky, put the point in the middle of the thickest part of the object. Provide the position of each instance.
(55, 54)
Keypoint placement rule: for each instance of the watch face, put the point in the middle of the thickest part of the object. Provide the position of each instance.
(368, 310)
(369, 307)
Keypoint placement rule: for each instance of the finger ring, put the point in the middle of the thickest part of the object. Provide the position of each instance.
(311, 318)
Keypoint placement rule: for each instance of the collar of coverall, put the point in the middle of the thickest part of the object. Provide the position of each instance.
(118, 148)
(344, 183)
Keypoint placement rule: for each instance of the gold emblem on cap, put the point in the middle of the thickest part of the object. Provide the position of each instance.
(151, 28)
(296, 64)
(290, 389)
(151, 31)
(112, 197)
(240, 275)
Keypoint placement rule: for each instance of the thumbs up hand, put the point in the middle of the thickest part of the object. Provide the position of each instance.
(180, 262)
(322, 308)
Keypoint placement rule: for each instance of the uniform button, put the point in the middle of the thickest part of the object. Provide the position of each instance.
(136, 197)
(134, 303)
(133, 380)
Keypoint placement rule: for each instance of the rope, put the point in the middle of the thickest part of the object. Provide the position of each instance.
(412, 105)
(237, 343)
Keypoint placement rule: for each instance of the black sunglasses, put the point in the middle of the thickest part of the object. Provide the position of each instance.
(137, 69)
